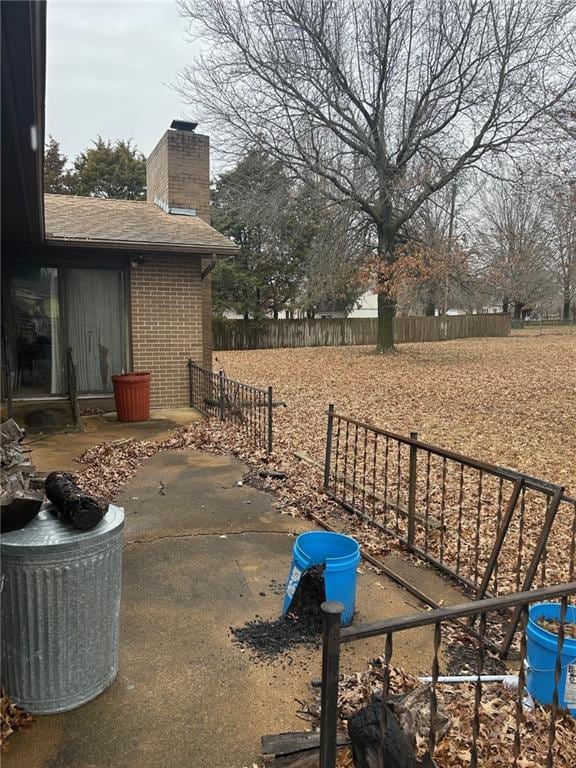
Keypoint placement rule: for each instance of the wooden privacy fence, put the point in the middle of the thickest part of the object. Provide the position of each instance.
(344, 332)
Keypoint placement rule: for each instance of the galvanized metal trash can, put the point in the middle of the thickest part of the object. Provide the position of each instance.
(60, 611)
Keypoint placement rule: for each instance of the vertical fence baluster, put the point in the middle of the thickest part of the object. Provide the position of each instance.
(427, 503)
(345, 470)
(478, 524)
(398, 483)
(519, 710)
(331, 613)
(374, 455)
(221, 393)
(459, 528)
(386, 451)
(354, 464)
(365, 459)
(190, 386)
(270, 422)
(443, 510)
(337, 457)
(557, 675)
(520, 539)
(544, 552)
(412, 477)
(478, 690)
(498, 526)
(433, 694)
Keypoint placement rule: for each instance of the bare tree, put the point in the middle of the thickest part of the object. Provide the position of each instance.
(559, 198)
(386, 101)
(514, 246)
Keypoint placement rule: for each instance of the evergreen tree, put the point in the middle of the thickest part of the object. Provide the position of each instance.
(111, 171)
(253, 205)
(56, 179)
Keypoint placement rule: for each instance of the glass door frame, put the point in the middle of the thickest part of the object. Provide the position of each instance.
(10, 271)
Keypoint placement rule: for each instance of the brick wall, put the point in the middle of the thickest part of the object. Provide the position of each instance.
(169, 304)
(207, 340)
(178, 172)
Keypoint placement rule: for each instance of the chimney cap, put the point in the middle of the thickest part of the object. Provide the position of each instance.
(183, 125)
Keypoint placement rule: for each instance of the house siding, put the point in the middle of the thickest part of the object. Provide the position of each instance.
(169, 310)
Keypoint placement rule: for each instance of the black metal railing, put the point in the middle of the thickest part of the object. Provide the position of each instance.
(513, 708)
(489, 527)
(217, 396)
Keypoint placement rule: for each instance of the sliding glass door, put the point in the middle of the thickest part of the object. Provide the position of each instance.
(33, 331)
(52, 309)
(94, 319)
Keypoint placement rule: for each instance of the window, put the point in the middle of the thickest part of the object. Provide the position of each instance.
(35, 332)
(55, 309)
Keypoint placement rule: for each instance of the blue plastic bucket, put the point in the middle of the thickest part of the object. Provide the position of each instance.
(340, 554)
(541, 654)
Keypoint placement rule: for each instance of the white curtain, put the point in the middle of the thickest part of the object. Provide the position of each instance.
(95, 326)
(56, 361)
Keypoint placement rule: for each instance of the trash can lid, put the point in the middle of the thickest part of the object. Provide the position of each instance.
(45, 533)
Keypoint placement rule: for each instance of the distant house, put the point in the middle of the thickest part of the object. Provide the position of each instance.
(123, 285)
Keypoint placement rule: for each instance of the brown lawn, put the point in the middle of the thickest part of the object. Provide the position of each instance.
(509, 401)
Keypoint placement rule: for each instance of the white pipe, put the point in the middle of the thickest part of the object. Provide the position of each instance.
(510, 680)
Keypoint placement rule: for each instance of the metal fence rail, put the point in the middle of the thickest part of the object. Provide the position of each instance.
(489, 612)
(250, 408)
(489, 527)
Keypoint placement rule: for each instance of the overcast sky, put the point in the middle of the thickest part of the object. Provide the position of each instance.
(110, 65)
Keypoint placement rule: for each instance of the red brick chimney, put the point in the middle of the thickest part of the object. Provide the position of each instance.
(178, 172)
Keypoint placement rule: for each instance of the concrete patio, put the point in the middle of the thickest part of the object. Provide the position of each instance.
(199, 557)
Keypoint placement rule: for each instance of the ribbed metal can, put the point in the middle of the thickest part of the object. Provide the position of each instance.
(60, 611)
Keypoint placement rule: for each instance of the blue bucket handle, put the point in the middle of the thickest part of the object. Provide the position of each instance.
(564, 666)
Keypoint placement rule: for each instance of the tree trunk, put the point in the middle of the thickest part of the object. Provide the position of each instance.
(505, 306)
(566, 299)
(518, 310)
(386, 312)
(386, 301)
(430, 308)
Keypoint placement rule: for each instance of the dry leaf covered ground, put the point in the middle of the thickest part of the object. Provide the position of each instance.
(510, 401)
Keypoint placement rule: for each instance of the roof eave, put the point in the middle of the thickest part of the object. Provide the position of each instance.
(130, 245)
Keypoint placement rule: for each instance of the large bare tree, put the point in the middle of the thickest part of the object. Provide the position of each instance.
(386, 101)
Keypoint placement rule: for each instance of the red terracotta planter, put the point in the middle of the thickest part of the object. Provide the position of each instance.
(132, 396)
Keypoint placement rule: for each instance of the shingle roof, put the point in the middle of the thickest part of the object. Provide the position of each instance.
(92, 220)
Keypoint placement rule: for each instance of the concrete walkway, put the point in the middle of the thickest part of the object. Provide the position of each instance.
(200, 556)
(57, 451)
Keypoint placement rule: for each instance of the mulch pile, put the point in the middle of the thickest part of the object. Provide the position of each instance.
(269, 640)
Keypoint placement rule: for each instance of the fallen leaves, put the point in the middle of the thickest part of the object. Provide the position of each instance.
(499, 727)
(12, 718)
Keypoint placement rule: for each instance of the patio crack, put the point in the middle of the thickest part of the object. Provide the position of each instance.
(154, 539)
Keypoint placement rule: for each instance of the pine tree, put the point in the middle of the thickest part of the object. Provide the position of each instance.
(56, 179)
(111, 171)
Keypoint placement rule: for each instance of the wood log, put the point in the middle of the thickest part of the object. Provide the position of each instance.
(296, 750)
(71, 504)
